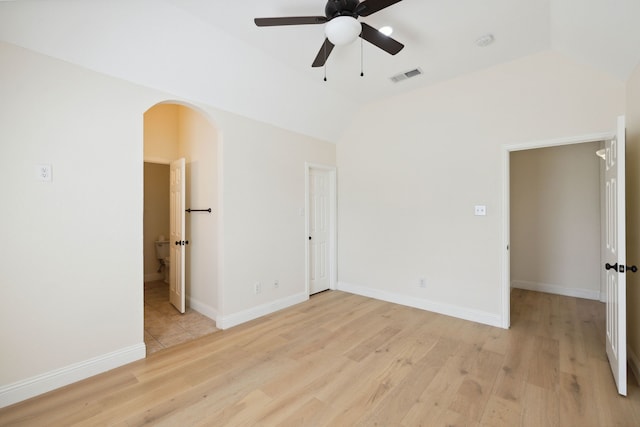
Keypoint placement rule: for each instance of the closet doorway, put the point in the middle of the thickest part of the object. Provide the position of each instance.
(556, 217)
(611, 174)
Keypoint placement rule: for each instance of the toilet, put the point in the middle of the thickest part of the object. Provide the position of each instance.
(162, 254)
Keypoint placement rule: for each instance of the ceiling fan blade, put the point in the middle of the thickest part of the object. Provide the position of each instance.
(368, 7)
(375, 37)
(322, 56)
(290, 20)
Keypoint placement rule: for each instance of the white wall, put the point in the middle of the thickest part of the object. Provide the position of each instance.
(73, 273)
(263, 193)
(555, 220)
(411, 169)
(162, 46)
(198, 143)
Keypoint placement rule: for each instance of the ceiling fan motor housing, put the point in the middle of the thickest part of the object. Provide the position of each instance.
(342, 26)
(336, 8)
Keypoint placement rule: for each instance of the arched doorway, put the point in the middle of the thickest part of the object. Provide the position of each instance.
(171, 131)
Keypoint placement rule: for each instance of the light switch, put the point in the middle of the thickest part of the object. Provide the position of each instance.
(480, 210)
(43, 173)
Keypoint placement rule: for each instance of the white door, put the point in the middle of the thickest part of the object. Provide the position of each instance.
(177, 241)
(319, 230)
(615, 249)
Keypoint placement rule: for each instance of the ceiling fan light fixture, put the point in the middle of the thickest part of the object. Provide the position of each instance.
(342, 30)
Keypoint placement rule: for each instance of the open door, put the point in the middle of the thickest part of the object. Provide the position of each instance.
(615, 260)
(177, 241)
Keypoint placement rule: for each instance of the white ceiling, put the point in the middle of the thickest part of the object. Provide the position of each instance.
(439, 37)
(226, 61)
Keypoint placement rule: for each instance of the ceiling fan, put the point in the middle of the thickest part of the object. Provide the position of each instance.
(342, 25)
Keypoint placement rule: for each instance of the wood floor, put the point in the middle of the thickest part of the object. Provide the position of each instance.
(346, 360)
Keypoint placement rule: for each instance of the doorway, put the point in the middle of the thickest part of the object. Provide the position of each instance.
(613, 245)
(556, 220)
(506, 208)
(320, 228)
(173, 131)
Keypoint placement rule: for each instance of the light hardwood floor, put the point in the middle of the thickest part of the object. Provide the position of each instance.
(346, 360)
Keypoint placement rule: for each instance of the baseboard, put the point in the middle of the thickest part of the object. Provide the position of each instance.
(226, 322)
(423, 304)
(52, 380)
(555, 289)
(634, 363)
(152, 277)
(203, 308)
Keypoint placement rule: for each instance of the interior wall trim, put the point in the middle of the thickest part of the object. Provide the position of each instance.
(226, 322)
(557, 289)
(203, 308)
(152, 277)
(478, 316)
(57, 378)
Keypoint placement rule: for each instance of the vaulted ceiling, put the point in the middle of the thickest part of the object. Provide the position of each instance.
(211, 51)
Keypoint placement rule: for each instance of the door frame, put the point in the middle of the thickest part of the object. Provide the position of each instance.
(505, 295)
(333, 229)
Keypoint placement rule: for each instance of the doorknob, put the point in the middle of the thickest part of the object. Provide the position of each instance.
(621, 268)
(178, 244)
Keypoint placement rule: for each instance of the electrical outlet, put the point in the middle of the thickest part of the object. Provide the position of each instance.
(258, 287)
(480, 210)
(43, 172)
(422, 282)
(276, 285)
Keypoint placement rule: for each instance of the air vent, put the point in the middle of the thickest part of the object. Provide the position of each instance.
(406, 75)
(485, 40)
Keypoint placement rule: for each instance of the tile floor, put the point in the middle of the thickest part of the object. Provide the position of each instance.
(164, 326)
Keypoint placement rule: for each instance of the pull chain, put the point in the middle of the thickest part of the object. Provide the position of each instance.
(361, 57)
(325, 61)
